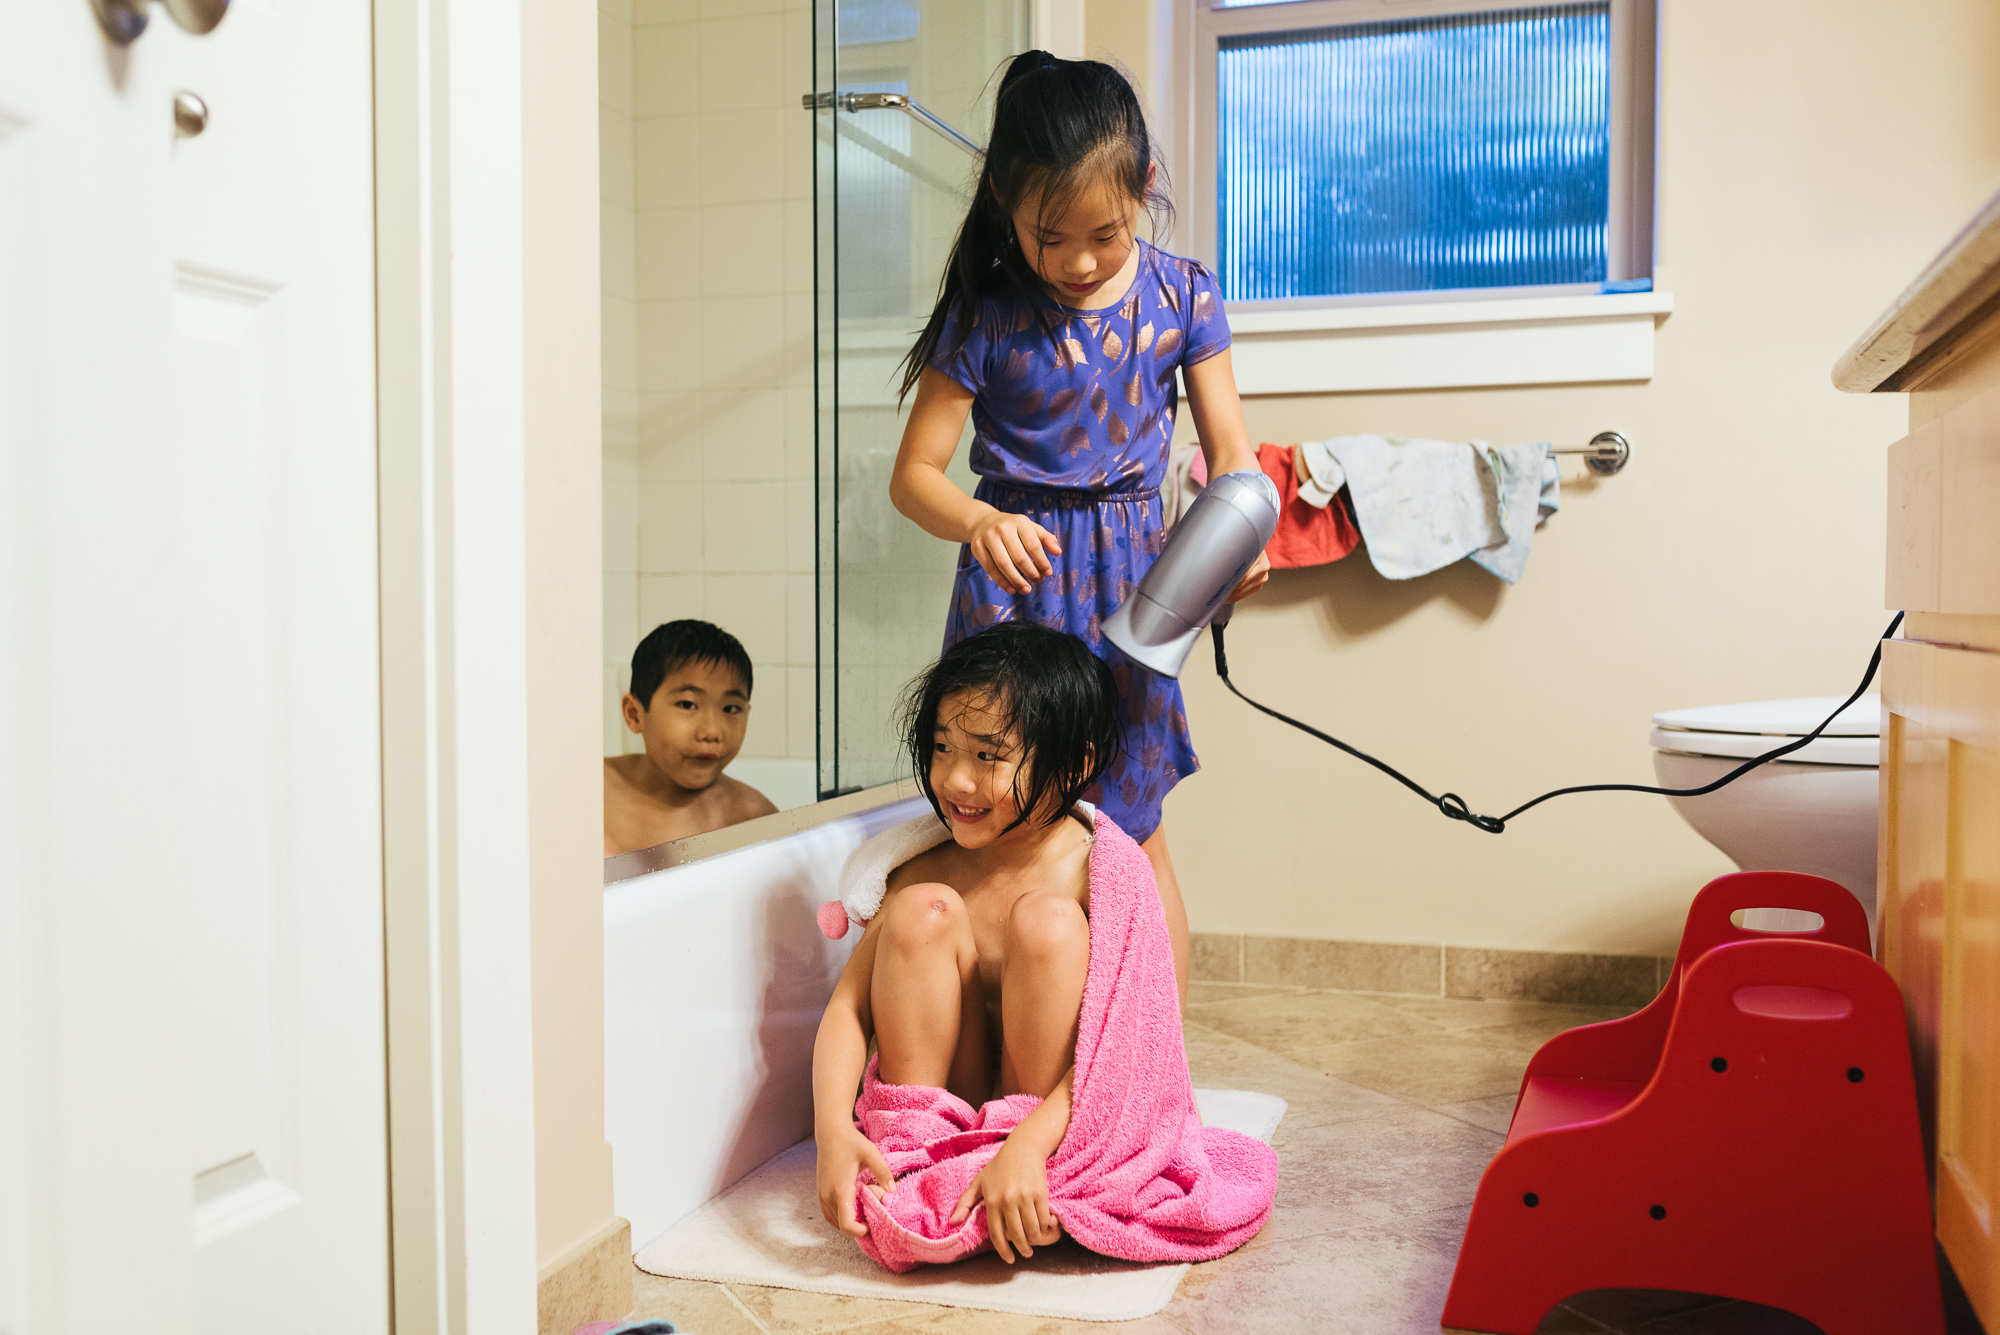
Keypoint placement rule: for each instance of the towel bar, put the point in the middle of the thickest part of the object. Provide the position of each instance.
(1606, 454)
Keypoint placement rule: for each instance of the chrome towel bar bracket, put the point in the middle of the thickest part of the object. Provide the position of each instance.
(1606, 454)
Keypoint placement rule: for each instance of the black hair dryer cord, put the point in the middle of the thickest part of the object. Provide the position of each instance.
(1452, 805)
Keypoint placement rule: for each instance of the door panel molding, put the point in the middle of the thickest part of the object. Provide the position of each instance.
(451, 332)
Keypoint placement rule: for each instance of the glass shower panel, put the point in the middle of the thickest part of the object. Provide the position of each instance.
(893, 80)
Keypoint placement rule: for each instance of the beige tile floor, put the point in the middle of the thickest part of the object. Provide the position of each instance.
(1396, 1102)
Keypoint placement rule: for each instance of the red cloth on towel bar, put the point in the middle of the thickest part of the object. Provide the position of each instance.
(1308, 535)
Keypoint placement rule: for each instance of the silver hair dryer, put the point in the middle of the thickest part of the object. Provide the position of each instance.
(1215, 542)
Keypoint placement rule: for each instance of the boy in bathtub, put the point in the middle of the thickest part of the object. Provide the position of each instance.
(690, 700)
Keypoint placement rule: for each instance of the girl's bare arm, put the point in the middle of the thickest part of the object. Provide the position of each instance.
(1012, 548)
(918, 487)
(1218, 414)
(1225, 438)
(840, 1051)
(840, 1055)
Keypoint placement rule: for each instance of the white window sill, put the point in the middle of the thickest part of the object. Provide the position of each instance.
(1448, 345)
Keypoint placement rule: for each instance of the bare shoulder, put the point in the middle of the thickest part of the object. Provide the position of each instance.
(742, 802)
(943, 864)
(620, 792)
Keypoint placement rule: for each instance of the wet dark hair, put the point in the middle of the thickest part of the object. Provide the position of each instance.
(678, 643)
(1060, 127)
(1058, 698)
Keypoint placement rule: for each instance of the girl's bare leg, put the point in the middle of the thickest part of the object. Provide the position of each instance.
(1170, 900)
(930, 1022)
(1041, 992)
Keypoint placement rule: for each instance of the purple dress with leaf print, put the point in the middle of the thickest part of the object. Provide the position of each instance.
(1072, 414)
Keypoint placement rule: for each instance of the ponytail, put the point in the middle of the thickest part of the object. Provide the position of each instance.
(1059, 127)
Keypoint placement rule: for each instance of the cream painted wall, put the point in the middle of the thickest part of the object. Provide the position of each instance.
(1812, 157)
(562, 415)
(620, 332)
(708, 387)
(1136, 36)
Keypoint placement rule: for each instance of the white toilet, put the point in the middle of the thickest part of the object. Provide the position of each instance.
(1814, 811)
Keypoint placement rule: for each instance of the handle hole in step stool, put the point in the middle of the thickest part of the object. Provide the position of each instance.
(1782, 1001)
(1658, 1212)
(1719, 1065)
(1777, 920)
(1855, 1075)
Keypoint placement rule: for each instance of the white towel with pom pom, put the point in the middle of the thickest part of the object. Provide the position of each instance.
(864, 878)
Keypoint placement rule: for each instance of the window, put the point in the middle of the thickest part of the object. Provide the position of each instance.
(1343, 157)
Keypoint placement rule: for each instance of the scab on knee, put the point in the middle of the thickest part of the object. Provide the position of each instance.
(921, 913)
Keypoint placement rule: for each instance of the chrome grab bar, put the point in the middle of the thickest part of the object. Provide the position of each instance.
(916, 111)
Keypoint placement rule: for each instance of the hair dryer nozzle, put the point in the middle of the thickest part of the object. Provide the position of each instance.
(1207, 553)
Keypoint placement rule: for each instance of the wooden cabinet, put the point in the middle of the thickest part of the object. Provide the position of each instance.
(1939, 874)
(1941, 925)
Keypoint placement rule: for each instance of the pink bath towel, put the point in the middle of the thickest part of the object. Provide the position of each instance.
(1137, 1176)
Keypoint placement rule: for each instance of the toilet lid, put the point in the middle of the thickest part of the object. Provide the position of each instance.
(1754, 727)
(1781, 718)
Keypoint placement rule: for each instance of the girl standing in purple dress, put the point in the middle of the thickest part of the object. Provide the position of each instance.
(1060, 332)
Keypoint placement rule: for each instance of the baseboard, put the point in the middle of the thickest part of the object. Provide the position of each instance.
(1428, 970)
(592, 1281)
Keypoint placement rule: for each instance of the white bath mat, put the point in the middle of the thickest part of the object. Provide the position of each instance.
(1255, 1115)
(767, 1230)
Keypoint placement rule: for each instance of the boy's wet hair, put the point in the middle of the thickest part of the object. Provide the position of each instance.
(1059, 700)
(1060, 127)
(678, 643)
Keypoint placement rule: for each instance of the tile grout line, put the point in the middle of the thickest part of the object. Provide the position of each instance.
(915, 1309)
(1444, 1111)
(748, 1315)
(1585, 1316)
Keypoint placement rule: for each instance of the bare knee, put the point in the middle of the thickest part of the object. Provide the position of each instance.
(1047, 927)
(923, 917)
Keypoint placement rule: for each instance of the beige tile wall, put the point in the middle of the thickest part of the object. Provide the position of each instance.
(1569, 977)
(708, 505)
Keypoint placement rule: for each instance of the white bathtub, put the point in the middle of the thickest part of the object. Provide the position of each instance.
(715, 974)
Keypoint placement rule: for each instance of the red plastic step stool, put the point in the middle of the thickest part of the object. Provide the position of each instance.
(1751, 1134)
(1590, 1071)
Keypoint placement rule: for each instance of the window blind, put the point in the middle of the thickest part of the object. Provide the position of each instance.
(1461, 151)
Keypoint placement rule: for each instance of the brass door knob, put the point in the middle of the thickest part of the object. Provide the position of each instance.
(197, 16)
(190, 114)
(124, 20)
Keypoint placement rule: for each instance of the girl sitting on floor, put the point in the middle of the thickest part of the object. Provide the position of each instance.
(1016, 975)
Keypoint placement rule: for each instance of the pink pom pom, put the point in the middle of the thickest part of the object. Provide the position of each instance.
(833, 919)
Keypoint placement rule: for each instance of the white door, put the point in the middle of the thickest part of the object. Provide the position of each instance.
(274, 316)
(193, 684)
